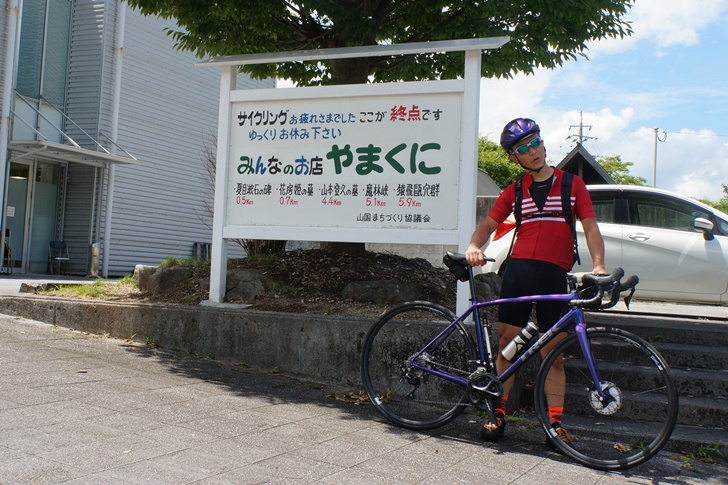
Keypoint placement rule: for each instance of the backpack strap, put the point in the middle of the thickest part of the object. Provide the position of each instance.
(518, 206)
(517, 210)
(566, 182)
(566, 198)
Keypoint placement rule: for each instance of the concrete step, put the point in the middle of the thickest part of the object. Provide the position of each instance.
(711, 332)
(684, 438)
(691, 438)
(701, 382)
(699, 370)
(697, 353)
(703, 394)
(693, 411)
(703, 412)
(693, 356)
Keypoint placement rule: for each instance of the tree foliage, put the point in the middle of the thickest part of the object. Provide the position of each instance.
(619, 170)
(496, 163)
(722, 203)
(543, 33)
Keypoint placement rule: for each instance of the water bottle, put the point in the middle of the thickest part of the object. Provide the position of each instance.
(520, 341)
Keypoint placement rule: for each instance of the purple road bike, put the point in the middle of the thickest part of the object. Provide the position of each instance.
(421, 368)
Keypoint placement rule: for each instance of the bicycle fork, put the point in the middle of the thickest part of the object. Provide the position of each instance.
(605, 397)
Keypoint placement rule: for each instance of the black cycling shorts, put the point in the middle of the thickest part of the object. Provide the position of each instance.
(531, 277)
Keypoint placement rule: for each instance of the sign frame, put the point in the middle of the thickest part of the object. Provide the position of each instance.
(468, 86)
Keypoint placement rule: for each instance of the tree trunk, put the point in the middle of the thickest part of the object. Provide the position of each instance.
(350, 71)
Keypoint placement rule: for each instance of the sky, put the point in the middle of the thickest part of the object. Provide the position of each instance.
(670, 74)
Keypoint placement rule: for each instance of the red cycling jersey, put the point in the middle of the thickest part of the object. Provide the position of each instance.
(544, 235)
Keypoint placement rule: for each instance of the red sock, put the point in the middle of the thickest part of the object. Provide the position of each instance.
(555, 413)
(502, 406)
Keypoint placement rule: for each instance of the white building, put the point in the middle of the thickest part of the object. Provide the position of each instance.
(87, 72)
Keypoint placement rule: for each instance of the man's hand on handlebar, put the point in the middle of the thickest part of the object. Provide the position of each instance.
(612, 285)
(599, 271)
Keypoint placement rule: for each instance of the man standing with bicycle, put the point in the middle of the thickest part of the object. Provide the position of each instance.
(541, 256)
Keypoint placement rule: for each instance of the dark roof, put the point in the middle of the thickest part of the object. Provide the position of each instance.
(486, 185)
(580, 162)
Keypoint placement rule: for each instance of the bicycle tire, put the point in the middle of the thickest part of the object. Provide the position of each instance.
(405, 396)
(630, 429)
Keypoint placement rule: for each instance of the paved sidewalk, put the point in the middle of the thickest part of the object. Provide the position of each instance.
(78, 408)
(10, 284)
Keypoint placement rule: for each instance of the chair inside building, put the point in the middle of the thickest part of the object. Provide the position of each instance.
(58, 257)
(8, 259)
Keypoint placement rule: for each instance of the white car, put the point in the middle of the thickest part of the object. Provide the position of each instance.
(677, 246)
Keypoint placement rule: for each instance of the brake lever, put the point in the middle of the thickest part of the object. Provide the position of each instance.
(628, 298)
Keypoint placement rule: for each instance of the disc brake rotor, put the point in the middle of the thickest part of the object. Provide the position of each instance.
(612, 401)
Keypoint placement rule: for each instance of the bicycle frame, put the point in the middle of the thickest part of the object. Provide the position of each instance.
(575, 317)
(616, 423)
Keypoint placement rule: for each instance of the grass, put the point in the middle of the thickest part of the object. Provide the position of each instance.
(100, 288)
(173, 262)
(516, 418)
(705, 453)
(128, 280)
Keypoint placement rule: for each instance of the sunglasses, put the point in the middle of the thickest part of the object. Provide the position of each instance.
(523, 149)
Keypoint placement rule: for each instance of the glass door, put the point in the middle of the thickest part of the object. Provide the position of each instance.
(44, 220)
(15, 215)
(32, 214)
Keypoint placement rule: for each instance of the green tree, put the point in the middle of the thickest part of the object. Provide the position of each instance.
(722, 203)
(619, 170)
(544, 33)
(496, 163)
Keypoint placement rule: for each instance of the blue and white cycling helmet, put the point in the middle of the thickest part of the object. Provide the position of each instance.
(516, 130)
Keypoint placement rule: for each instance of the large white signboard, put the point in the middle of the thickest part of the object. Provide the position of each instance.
(337, 158)
(359, 163)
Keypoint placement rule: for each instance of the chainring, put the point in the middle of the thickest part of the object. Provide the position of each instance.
(484, 387)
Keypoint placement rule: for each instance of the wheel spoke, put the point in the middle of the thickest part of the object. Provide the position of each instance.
(635, 418)
(417, 398)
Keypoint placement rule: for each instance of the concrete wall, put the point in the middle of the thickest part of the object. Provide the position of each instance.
(318, 347)
(321, 348)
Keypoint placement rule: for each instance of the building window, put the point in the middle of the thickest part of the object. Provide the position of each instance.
(43, 52)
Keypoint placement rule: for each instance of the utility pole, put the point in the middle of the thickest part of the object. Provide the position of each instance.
(581, 137)
(654, 160)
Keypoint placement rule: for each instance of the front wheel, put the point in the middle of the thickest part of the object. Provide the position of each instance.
(396, 345)
(626, 427)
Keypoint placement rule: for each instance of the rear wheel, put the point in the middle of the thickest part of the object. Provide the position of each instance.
(405, 395)
(634, 421)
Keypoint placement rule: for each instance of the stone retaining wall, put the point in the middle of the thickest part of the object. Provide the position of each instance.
(315, 347)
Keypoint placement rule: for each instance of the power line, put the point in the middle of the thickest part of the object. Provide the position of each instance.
(695, 134)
